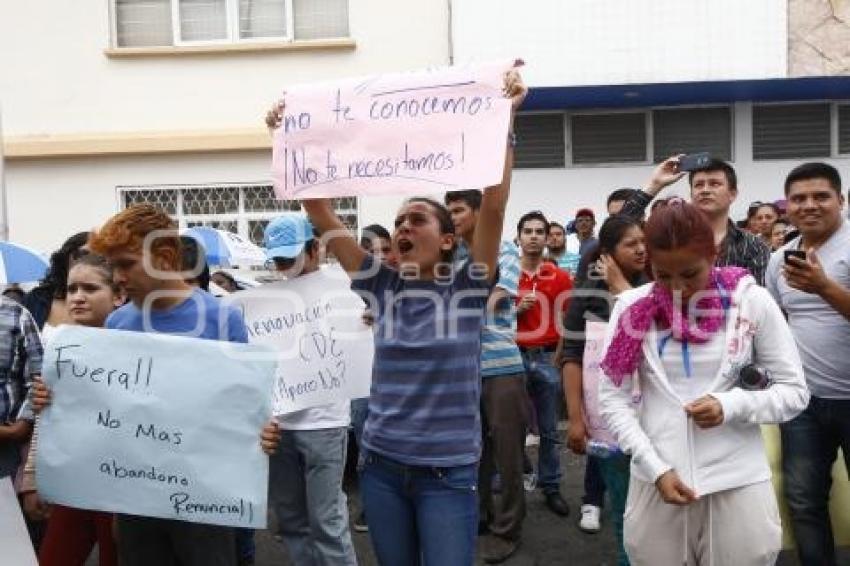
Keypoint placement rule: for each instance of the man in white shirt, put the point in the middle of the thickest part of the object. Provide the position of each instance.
(814, 290)
(305, 474)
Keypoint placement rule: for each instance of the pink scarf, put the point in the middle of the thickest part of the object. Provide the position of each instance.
(624, 353)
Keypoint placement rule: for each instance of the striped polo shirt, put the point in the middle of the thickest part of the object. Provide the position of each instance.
(424, 401)
(499, 352)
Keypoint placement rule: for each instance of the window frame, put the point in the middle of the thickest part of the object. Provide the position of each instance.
(564, 132)
(836, 124)
(733, 122)
(233, 36)
(232, 27)
(833, 105)
(569, 163)
(568, 125)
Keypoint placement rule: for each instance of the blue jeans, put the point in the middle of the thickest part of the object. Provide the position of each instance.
(594, 484)
(420, 516)
(305, 491)
(544, 388)
(810, 445)
(246, 548)
(359, 412)
(615, 471)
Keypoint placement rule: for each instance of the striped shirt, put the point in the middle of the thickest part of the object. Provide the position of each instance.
(20, 360)
(499, 352)
(424, 401)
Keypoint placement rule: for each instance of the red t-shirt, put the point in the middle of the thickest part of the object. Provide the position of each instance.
(538, 326)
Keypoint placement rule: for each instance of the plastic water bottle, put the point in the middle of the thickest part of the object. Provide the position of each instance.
(602, 449)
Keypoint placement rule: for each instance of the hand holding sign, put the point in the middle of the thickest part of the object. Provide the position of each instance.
(515, 89)
(156, 425)
(408, 132)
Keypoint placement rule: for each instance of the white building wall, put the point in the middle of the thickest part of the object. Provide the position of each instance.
(55, 77)
(600, 42)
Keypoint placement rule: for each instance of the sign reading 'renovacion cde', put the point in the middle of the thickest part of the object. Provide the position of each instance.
(315, 325)
(156, 425)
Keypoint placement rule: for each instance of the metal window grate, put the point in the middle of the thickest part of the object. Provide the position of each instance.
(692, 130)
(242, 209)
(226, 225)
(608, 138)
(256, 229)
(791, 131)
(540, 141)
(164, 199)
(211, 200)
(262, 198)
(844, 129)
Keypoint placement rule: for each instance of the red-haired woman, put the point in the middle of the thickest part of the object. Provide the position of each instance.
(679, 398)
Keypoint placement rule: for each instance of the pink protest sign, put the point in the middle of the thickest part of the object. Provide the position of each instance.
(406, 133)
(591, 374)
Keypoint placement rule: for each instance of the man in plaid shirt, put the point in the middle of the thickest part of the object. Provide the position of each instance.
(20, 363)
(714, 187)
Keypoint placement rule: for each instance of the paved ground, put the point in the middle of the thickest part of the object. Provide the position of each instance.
(548, 539)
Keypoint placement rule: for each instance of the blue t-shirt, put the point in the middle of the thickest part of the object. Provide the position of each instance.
(199, 316)
(426, 386)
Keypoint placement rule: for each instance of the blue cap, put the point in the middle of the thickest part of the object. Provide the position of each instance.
(286, 235)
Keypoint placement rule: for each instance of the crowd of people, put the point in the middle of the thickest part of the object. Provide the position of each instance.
(665, 341)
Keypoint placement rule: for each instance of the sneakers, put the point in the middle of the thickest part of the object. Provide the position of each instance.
(360, 524)
(529, 481)
(590, 518)
(495, 550)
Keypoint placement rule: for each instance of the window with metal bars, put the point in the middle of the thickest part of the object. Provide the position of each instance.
(692, 130)
(608, 138)
(601, 138)
(792, 131)
(844, 129)
(540, 141)
(149, 23)
(241, 209)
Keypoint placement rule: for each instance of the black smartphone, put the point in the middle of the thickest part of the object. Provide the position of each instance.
(801, 254)
(694, 161)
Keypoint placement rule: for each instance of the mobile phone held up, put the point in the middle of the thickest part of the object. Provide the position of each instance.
(694, 161)
(800, 254)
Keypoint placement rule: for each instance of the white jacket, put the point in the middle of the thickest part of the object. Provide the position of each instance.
(658, 433)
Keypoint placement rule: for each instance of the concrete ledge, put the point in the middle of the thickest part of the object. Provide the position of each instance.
(129, 143)
(180, 50)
